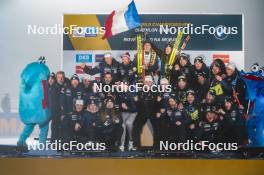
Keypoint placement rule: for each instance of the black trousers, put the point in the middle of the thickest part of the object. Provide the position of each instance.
(192, 134)
(176, 133)
(56, 129)
(111, 137)
(90, 132)
(234, 133)
(67, 132)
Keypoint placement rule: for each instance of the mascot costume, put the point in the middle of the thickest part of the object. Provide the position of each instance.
(33, 100)
(254, 81)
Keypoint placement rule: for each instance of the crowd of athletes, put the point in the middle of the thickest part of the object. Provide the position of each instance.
(206, 102)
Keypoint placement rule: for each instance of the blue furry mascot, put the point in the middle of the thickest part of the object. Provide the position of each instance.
(254, 81)
(33, 100)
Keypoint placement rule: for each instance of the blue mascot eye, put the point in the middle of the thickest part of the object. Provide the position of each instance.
(255, 68)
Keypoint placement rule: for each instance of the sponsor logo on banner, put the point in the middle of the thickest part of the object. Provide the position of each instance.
(84, 58)
(99, 57)
(88, 31)
(224, 57)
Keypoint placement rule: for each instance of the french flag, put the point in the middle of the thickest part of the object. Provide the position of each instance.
(122, 20)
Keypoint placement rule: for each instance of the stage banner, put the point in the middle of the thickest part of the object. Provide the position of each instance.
(211, 35)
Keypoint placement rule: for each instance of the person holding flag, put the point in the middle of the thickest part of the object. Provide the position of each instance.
(124, 20)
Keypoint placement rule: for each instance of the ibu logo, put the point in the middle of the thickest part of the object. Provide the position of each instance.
(84, 58)
(221, 32)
